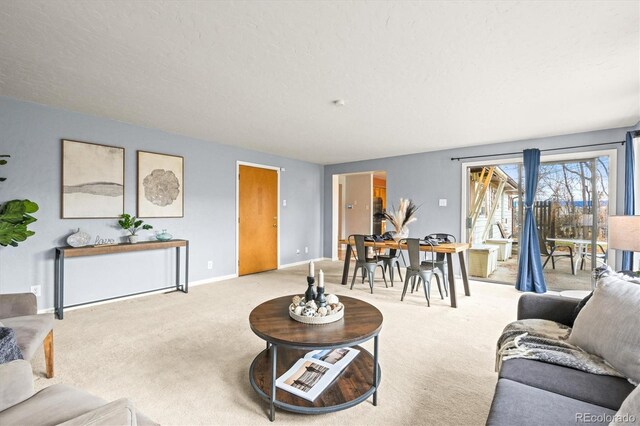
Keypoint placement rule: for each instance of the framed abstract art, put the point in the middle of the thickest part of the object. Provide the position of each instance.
(160, 185)
(92, 180)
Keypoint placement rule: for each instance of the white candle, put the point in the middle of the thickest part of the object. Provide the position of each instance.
(321, 279)
(311, 269)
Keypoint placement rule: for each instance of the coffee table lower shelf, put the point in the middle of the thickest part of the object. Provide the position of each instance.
(354, 384)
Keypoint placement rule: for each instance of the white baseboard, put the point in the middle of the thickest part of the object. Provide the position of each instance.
(212, 280)
(302, 262)
(135, 296)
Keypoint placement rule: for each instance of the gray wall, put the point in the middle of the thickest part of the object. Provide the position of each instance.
(427, 177)
(31, 134)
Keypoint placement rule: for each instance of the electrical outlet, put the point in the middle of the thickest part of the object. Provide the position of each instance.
(442, 202)
(210, 264)
(306, 249)
(297, 251)
(37, 290)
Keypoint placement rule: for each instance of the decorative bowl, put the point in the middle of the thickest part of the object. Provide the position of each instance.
(164, 236)
(327, 319)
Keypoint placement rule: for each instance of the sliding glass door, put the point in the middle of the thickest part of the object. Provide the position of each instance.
(571, 209)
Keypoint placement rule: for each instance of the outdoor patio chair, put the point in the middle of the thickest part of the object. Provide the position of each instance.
(551, 253)
(601, 255)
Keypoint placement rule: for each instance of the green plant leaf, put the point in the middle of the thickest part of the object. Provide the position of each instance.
(30, 206)
(14, 219)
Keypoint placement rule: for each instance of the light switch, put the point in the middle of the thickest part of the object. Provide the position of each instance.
(284, 203)
(442, 202)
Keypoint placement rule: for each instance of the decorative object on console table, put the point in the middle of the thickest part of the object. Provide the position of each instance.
(92, 180)
(78, 239)
(160, 185)
(401, 218)
(164, 236)
(104, 241)
(624, 233)
(132, 225)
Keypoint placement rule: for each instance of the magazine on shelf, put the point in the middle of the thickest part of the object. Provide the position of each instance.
(311, 375)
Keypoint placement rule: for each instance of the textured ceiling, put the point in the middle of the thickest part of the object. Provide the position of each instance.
(416, 76)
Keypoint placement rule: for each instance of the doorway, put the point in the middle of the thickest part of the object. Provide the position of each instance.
(258, 218)
(357, 197)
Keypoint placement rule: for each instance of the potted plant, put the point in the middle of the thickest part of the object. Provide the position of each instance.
(132, 224)
(402, 217)
(15, 217)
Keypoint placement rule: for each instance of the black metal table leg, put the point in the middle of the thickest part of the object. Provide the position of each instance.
(375, 370)
(177, 268)
(186, 268)
(61, 287)
(56, 282)
(274, 361)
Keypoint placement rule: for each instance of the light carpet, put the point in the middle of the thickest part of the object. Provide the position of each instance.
(184, 358)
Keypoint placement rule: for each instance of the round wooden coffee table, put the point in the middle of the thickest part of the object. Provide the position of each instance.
(289, 340)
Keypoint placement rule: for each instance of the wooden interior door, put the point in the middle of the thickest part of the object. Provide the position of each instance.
(257, 220)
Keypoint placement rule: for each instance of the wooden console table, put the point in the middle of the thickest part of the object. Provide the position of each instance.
(65, 252)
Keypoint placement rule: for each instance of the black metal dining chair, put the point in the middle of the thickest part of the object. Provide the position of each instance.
(440, 258)
(390, 260)
(423, 271)
(368, 265)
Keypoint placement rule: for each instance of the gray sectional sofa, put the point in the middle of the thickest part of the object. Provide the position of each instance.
(535, 393)
(58, 404)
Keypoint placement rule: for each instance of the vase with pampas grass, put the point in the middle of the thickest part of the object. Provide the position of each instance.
(400, 218)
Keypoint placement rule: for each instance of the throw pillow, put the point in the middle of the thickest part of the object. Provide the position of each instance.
(629, 411)
(578, 308)
(9, 350)
(609, 325)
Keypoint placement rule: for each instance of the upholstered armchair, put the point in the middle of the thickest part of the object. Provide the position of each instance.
(19, 311)
(58, 404)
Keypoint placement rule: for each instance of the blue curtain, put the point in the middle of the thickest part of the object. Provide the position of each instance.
(530, 277)
(629, 201)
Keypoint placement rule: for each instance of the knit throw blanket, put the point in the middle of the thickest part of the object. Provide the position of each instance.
(546, 341)
(9, 349)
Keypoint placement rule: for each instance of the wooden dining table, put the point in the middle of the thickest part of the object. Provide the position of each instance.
(448, 249)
